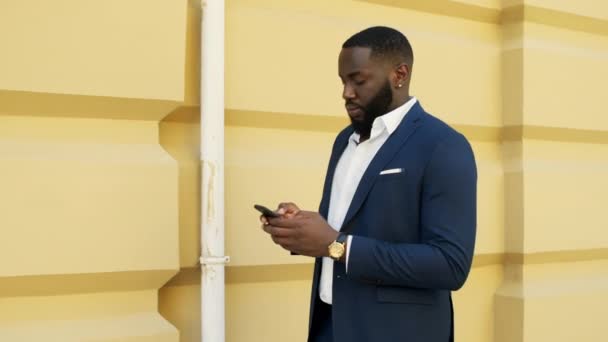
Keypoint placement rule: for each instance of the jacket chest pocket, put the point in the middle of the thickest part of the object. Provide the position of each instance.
(392, 190)
(392, 175)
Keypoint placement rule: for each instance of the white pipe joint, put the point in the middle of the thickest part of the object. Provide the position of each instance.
(214, 260)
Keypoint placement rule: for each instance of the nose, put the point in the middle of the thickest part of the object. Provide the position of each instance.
(348, 93)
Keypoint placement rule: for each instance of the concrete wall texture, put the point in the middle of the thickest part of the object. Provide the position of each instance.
(99, 160)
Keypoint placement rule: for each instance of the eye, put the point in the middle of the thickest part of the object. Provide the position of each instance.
(361, 82)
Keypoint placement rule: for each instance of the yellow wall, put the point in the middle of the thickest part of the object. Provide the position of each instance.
(99, 160)
(89, 226)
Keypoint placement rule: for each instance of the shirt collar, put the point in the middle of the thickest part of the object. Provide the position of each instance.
(389, 121)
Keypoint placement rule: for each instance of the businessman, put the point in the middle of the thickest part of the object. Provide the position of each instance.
(395, 231)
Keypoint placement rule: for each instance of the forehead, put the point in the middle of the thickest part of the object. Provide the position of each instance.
(355, 59)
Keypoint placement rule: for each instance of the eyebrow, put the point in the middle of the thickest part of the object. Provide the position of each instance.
(352, 74)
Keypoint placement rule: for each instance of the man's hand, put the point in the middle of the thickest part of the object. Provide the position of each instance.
(286, 210)
(305, 233)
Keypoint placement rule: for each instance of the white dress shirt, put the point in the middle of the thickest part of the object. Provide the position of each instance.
(352, 165)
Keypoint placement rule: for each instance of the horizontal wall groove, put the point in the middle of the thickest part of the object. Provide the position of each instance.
(326, 123)
(501, 16)
(555, 18)
(560, 134)
(446, 7)
(303, 272)
(23, 103)
(551, 257)
(59, 284)
(288, 121)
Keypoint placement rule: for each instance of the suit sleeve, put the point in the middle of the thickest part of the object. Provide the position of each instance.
(443, 257)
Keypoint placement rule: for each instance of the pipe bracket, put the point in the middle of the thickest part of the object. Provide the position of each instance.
(214, 260)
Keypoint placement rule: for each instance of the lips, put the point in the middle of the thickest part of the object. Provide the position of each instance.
(354, 111)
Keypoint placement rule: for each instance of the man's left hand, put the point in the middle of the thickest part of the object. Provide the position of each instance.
(306, 233)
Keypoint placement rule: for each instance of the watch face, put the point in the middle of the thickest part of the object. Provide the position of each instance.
(336, 250)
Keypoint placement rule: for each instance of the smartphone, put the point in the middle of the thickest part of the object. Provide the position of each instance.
(265, 211)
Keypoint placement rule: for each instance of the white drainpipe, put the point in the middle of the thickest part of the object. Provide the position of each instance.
(212, 259)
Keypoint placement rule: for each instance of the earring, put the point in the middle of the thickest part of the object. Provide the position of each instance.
(399, 85)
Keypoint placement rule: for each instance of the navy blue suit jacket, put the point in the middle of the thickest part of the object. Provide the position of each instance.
(414, 235)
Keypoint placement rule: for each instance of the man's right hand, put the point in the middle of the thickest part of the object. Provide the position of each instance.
(286, 210)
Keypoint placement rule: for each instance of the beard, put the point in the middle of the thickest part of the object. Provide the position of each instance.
(378, 106)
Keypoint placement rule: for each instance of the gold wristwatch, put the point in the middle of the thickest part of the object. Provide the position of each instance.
(337, 248)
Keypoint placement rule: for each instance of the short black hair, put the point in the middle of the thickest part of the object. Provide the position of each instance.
(385, 42)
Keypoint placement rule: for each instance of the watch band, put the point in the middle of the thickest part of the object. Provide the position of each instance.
(341, 238)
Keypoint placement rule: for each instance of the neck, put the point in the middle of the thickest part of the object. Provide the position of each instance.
(399, 100)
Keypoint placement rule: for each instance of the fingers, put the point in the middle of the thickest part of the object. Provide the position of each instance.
(279, 231)
(288, 209)
(283, 221)
(283, 242)
(288, 206)
(264, 220)
(288, 244)
(284, 237)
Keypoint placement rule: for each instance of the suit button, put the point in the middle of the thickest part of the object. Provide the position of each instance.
(338, 277)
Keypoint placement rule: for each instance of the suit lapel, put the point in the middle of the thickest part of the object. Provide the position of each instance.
(386, 153)
(336, 153)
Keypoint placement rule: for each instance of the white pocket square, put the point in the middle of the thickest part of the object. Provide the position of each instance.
(390, 171)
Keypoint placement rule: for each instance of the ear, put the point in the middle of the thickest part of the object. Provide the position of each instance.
(401, 75)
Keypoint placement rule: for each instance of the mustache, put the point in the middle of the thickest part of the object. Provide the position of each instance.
(352, 104)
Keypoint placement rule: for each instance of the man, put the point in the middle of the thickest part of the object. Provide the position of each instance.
(395, 231)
